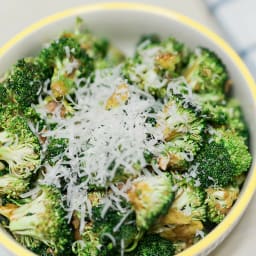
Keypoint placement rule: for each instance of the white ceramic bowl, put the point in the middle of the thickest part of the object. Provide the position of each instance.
(124, 23)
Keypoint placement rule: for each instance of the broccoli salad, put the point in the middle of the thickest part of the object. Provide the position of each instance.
(103, 154)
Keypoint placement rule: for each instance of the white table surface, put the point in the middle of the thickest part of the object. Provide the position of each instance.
(17, 14)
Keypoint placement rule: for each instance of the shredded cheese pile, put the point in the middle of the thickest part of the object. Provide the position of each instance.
(102, 138)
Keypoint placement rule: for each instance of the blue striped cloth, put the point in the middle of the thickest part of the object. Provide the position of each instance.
(237, 18)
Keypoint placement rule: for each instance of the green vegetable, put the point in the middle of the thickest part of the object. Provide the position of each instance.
(25, 81)
(221, 159)
(205, 72)
(103, 53)
(189, 198)
(97, 235)
(183, 134)
(69, 62)
(13, 186)
(42, 220)
(152, 38)
(150, 198)
(19, 147)
(219, 201)
(154, 245)
(154, 64)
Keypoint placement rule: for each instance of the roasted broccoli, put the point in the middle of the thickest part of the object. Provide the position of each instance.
(221, 159)
(11, 109)
(154, 245)
(235, 119)
(26, 80)
(19, 147)
(176, 226)
(189, 198)
(205, 72)
(152, 38)
(13, 186)
(155, 64)
(43, 219)
(178, 153)
(212, 107)
(113, 57)
(103, 53)
(8, 111)
(105, 235)
(150, 198)
(183, 133)
(4, 95)
(109, 225)
(176, 120)
(185, 215)
(69, 62)
(219, 201)
(89, 245)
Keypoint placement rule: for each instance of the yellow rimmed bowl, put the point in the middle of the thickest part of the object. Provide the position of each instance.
(124, 23)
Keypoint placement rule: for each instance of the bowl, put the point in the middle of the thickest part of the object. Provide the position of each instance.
(124, 23)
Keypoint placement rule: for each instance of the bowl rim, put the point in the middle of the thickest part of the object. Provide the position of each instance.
(245, 198)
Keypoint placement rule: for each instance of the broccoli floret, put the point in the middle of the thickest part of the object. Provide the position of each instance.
(176, 120)
(209, 106)
(212, 107)
(152, 38)
(173, 57)
(89, 245)
(185, 215)
(183, 133)
(55, 147)
(214, 165)
(237, 149)
(110, 224)
(154, 245)
(154, 65)
(150, 198)
(222, 158)
(26, 80)
(189, 198)
(105, 235)
(7, 112)
(219, 201)
(4, 95)
(95, 47)
(103, 53)
(205, 72)
(113, 57)
(12, 109)
(19, 147)
(178, 153)
(69, 61)
(235, 118)
(34, 117)
(176, 226)
(42, 219)
(13, 186)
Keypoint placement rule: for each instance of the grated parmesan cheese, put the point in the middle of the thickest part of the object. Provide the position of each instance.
(101, 140)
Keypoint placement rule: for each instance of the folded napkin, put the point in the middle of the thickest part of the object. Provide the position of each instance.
(237, 18)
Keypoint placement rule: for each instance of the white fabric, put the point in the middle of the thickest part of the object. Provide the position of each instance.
(237, 18)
